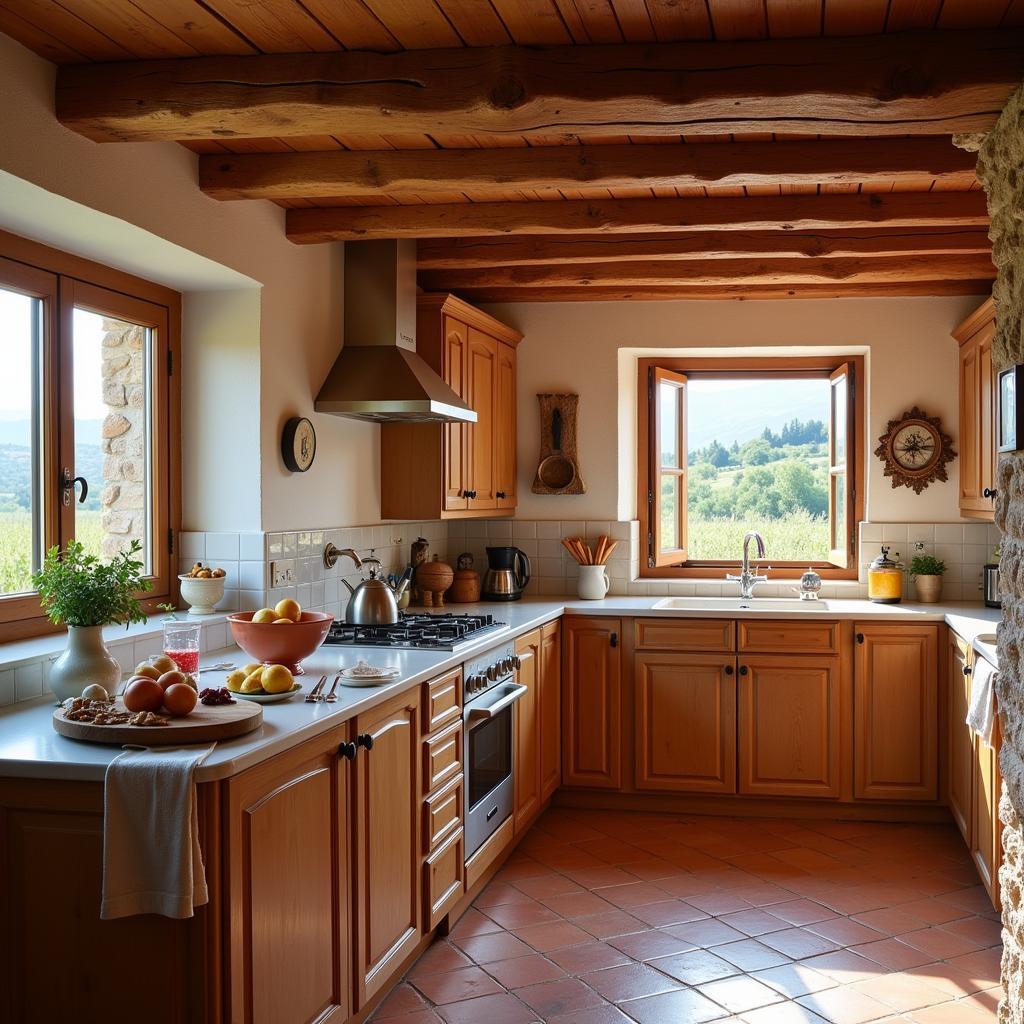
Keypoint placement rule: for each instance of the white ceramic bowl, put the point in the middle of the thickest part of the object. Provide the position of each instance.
(203, 595)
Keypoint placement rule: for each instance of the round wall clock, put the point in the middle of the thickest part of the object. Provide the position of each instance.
(298, 444)
(915, 450)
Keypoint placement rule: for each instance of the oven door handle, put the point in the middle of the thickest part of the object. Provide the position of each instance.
(475, 714)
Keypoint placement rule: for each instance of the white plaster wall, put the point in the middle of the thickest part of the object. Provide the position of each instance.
(294, 338)
(592, 348)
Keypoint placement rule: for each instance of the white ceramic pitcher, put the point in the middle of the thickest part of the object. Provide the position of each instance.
(593, 582)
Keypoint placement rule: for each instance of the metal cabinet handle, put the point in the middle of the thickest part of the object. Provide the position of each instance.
(989, 492)
(365, 740)
(348, 751)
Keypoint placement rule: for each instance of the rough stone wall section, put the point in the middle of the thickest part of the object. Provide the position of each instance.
(1001, 171)
(123, 436)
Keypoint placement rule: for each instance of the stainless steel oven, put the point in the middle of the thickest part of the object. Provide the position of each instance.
(490, 693)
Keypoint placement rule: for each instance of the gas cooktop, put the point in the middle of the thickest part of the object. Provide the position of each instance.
(449, 631)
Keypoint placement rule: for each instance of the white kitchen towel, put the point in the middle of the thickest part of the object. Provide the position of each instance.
(152, 860)
(981, 715)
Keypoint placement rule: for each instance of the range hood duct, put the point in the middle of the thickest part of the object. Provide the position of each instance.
(378, 376)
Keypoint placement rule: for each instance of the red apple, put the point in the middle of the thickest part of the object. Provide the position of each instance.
(144, 695)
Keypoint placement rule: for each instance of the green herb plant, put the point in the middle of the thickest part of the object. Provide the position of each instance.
(927, 565)
(77, 589)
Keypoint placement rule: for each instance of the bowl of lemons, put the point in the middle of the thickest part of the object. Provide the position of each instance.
(282, 635)
(264, 684)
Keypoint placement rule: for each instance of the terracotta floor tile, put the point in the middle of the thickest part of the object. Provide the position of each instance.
(740, 993)
(799, 943)
(695, 968)
(951, 1013)
(951, 980)
(403, 999)
(485, 949)
(633, 894)
(845, 966)
(542, 886)
(894, 954)
(705, 933)
(782, 1013)
(577, 904)
(457, 986)
(801, 912)
(940, 943)
(717, 903)
(650, 868)
(632, 981)
(934, 910)
(591, 956)
(473, 922)
(598, 878)
(890, 920)
(983, 966)
(555, 997)
(982, 930)
(792, 980)
(441, 956)
(673, 1008)
(614, 922)
(844, 931)
(525, 970)
(902, 992)
(498, 893)
(606, 1013)
(521, 915)
(845, 1006)
(545, 937)
(650, 944)
(423, 1016)
(668, 912)
(501, 1009)
(754, 922)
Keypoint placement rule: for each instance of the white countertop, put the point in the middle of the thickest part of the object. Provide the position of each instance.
(29, 748)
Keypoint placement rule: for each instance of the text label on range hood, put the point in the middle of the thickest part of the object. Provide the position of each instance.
(378, 376)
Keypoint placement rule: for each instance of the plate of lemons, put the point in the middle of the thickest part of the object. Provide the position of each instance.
(264, 684)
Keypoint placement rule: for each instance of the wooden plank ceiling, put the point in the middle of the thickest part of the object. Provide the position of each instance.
(767, 148)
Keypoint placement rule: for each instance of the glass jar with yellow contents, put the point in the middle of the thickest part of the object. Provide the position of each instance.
(885, 579)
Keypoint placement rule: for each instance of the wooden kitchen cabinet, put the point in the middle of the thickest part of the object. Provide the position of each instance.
(789, 725)
(685, 722)
(896, 718)
(961, 747)
(550, 709)
(978, 410)
(388, 855)
(287, 885)
(986, 842)
(527, 731)
(591, 702)
(457, 470)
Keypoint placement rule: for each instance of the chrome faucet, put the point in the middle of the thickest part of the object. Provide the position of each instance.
(747, 579)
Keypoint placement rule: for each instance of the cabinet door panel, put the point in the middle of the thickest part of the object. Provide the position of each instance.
(789, 725)
(685, 722)
(591, 703)
(288, 873)
(550, 709)
(455, 356)
(978, 410)
(388, 858)
(505, 429)
(986, 831)
(896, 712)
(527, 725)
(483, 376)
(961, 751)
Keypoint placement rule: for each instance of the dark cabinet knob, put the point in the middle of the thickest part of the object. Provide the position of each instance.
(348, 751)
(365, 740)
(728, 670)
(989, 492)
(860, 638)
(968, 670)
(614, 639)
(743, 670)
(500, 494)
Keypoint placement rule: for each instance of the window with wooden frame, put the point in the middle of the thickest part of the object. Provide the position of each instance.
(89, 417)
(766, 444)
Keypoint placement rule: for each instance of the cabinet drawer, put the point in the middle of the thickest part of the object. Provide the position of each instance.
(442, 814)
(442, 700)
(787, 637)
(442, 757)
(444, 873)
(685, 635)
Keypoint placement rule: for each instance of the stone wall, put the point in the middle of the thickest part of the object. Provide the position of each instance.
(1001, 170)
(123, 497)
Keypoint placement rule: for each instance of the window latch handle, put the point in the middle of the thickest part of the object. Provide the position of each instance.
(67, 487)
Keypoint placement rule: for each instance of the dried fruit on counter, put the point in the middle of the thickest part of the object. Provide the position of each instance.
(216, 697)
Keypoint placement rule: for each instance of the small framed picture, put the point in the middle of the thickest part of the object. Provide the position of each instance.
(1011, 420)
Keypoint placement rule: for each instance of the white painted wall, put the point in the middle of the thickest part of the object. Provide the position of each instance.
(592, 348)
(137, 206)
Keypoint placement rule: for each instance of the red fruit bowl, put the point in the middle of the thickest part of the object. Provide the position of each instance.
(280, 645)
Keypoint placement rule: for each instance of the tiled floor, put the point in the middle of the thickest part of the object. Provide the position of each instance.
(604, 917)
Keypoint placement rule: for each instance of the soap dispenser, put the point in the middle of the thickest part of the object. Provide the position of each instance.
(885, 579)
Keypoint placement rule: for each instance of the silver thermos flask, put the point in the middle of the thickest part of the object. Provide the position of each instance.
(990, 580)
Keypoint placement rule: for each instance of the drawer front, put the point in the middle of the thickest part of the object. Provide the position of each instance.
(442, 701)
(444, 879)
(442, 814)
(704, 635)
(442, 758)
(776, 636)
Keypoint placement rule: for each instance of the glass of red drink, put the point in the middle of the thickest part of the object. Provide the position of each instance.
(181, 644)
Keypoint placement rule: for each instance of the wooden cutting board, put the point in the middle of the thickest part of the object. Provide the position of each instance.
(204, 725)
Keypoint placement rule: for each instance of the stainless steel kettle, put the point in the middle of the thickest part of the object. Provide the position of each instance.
(374, 602)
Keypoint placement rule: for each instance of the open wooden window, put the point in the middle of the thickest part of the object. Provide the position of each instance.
(88, 410)
(730, 445)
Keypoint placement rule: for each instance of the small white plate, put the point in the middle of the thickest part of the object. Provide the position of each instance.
(384, 675)
(269, 698)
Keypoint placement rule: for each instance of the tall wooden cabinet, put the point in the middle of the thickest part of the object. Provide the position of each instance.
(457, 470)
(961, 746)
(527, 727)
(978, 410)
(550, 709)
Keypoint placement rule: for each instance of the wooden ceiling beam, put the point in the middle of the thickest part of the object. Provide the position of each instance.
(715, 272)
(372, 174)
(902, 84)
(633, 216)
(469, 253)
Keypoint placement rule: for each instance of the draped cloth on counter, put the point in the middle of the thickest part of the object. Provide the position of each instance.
(152, 860)
(981, 714)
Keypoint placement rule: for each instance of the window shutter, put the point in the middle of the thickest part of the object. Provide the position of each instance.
(666, 499)
(840, 458)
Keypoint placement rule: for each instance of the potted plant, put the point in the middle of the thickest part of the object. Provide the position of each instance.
(926, 572)
(85, 594)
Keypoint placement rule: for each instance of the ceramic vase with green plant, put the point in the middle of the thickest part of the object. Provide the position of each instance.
(85, 594)
(926, 572)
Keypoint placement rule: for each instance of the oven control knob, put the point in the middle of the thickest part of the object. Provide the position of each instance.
(474, 683)
(493, 671)
(507, 664)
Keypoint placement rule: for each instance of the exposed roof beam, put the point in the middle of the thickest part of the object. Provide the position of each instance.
(631, 216)
(900, 84)
(371, 174)
(716, 272)
(467, 253)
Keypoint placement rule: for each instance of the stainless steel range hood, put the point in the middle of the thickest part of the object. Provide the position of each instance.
(378, 375)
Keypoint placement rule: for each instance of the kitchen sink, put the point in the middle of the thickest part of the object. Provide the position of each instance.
(735, 604)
